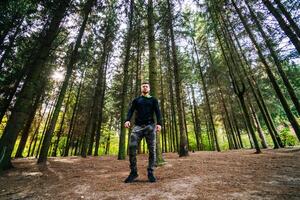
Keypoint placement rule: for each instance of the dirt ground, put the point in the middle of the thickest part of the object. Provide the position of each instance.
(239, 174)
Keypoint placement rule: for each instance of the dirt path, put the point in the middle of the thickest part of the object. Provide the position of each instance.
(275, 174)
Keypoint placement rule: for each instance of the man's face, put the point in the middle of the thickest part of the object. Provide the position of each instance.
(145, 88)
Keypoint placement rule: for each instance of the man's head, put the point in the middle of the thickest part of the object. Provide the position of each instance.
(145, 88)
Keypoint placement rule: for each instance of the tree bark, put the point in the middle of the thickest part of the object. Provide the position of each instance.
(183, 151)
(153, 75)
(197, 122)
(122, 151)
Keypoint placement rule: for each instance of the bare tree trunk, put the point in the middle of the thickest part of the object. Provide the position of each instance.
(34, 135)
(54, 151)
(26, 130)
(197, 122)
(73, 118)
(162, 102)
(259, 130)
(183, 151)
(207, 100)
(122, 151)
(98, 133)
(153, 75)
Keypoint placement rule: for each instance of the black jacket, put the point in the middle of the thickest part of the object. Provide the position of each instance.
(145, 108)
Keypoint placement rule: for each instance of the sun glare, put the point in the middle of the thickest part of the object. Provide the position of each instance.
(58, 76)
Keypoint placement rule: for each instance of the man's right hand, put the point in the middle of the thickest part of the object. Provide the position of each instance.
(127, 124)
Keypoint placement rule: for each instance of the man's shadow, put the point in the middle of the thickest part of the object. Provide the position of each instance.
(141, 181)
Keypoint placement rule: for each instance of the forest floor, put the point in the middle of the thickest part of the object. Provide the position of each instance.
(237, 174)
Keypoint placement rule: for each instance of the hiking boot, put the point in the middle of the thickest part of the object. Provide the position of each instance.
(131, 177)
(151, 177)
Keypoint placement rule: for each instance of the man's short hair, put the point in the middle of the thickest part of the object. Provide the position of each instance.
(145, 82)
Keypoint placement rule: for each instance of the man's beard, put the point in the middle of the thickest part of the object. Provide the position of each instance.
(145, 92)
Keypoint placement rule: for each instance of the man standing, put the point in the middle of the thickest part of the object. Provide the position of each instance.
(144, 126)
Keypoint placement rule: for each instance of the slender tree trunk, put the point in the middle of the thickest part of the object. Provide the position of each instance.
(207, 100)
(248, 123)
(214, 132)
(231, 133)
(98, 133)
(193, 122)
(122, 150)
(239, 89)
(26, 130)
(236, 124)
(197, 122)
(162, 100)
(73, 118)
(183, 151)
(259, 130)
(173, 127)
(31, 141)
(185, 124)
(34, 135)
(54, 152)
(95, 122)
(138, 71)
(283, 25)
(153, 75)
(50, 114)
(209, 134)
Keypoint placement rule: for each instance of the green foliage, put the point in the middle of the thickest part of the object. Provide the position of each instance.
(287, 137)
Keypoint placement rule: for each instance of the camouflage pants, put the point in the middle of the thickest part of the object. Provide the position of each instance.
(137, 134)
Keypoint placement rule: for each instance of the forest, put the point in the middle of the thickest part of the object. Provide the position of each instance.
(226, 75)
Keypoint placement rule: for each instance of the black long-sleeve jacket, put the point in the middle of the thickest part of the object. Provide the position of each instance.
(145, 107)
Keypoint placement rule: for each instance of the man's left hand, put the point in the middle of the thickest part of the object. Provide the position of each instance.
(158, 128)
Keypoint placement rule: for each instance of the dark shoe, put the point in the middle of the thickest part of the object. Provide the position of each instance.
(151, 177)
(131, 177)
